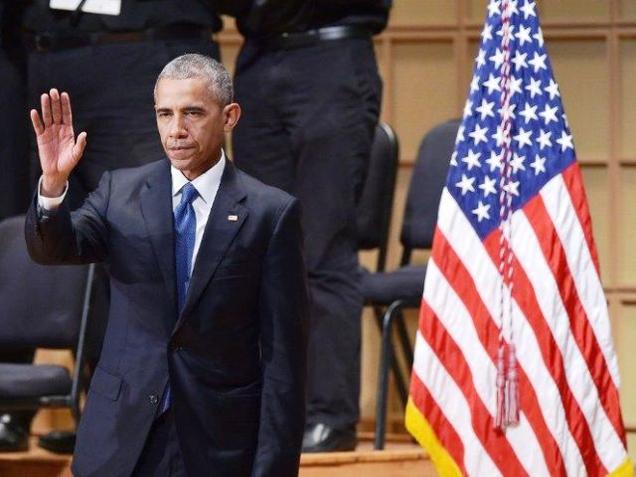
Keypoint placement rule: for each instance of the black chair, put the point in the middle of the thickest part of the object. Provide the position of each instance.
(376, 203)
(402, 288)
(41, 307)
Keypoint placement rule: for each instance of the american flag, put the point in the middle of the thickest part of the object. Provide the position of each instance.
(514, 262)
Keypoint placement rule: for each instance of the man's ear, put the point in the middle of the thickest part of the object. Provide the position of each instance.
(231, 114)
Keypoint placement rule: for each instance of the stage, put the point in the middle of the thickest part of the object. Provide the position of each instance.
(402, 458)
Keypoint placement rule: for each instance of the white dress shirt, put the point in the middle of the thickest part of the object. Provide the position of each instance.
(207, 185)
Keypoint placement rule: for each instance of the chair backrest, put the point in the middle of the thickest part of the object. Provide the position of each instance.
(376, 204)
(427, 182)
(40, 306)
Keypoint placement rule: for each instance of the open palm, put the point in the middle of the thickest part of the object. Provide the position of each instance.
(58, 149)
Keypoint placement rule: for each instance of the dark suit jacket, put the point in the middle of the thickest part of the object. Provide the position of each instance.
(235, 355)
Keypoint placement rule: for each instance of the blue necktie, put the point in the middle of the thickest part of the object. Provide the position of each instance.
(185, 226)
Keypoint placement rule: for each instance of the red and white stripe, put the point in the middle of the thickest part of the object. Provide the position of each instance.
(570, 416)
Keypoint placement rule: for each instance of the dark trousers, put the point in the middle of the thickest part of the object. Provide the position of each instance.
(14, 162)
(308, 119)
(161, 455)
(111, 90)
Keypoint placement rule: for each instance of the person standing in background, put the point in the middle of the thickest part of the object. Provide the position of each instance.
(108, 62)
(14, 184)
(308, 82)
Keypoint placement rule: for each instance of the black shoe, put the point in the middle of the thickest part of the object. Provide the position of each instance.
(323, 438)
(13, 437)
(60, 442)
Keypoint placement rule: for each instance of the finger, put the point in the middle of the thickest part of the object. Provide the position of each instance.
(67, 114)
(46, 109)
(56, 106)
(80, 145)
(38, 127)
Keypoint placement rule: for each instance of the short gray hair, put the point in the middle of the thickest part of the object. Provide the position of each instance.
(194, 65)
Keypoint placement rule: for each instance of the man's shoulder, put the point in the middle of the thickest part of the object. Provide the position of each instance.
(135, 173)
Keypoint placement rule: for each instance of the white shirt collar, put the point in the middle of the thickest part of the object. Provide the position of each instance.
(206, 184)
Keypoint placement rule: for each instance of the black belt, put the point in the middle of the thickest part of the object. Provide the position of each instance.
(288, 41)
(58, 41)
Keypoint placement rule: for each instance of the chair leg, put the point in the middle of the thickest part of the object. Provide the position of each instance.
(405, 340)
(386, 359)
(400, 380)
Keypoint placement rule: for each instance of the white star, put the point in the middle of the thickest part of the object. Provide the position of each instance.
(466, 184)
(512, 188)
(520, 60)
(524, 35)
(497, 58)
(479, 134)
(499, 136)
(544, 139)
(549, 114)
(486, 33)
(493, 8)
(494, 161)
(565, 120)
(472, 159)
(539, 37)
(492, 84)
(481, 58)
(512, 7)
(515, 86)
(511, 29)
(485, 109)
(538, 62)
(523, 138)
(538, 164)
(488, 186)
(565, 141)
(517, 163)
(460, 134)
(529, 112)
(474, 84)
(453, 161)
(468, 108)
(481, 211)
(534, 87)
(510, 110)
(552, 89)
(528, 9)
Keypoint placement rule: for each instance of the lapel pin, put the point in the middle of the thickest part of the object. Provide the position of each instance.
(232, 218)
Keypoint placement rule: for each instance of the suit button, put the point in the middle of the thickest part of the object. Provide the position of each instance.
(154, 399)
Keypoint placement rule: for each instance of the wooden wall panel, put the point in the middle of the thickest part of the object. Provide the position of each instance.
(574, 10)
(628, 98)
(627, 227)
(423, 92)
(628, 10)
(581, 68)
(625, 337)
(418, 12)
(597, 187)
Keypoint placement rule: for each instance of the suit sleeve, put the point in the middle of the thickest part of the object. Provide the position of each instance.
(283, 321)
(65, 237)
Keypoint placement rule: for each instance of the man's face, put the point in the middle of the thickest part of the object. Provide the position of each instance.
(192, 124)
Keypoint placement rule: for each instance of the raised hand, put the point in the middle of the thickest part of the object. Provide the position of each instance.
(58, 149)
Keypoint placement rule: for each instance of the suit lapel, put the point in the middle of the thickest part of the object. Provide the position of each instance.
(225, 220)
(156, 208)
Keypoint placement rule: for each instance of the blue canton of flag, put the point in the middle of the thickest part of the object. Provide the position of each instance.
(541, 140)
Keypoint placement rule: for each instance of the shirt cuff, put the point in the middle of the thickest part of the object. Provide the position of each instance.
(50, 203)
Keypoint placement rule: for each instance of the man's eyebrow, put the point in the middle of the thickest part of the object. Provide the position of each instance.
(194, 108)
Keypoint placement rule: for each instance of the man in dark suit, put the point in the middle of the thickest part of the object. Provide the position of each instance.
(202, 367)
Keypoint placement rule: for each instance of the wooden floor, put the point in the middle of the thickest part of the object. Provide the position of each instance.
(401, 458)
